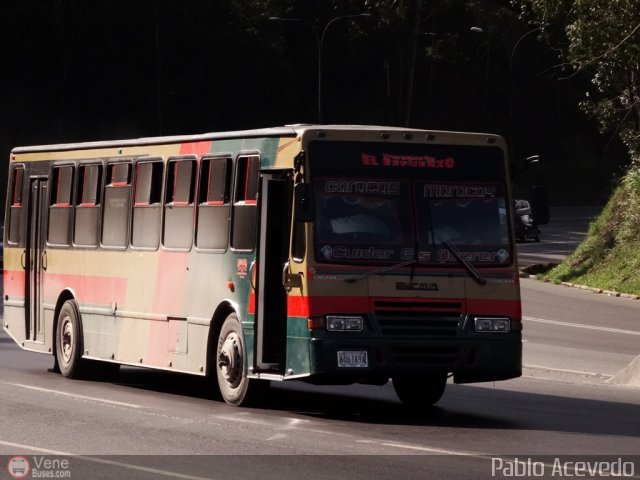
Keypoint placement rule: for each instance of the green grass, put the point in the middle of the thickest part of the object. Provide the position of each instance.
(609, 256)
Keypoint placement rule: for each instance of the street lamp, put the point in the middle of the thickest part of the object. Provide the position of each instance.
(486, 74)
(319, 43)
(512, 84)
(513, 52)
(515, 45)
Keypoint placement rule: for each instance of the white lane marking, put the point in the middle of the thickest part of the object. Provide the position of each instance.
(35, 449)
(580, 325)
(103, 461)
(73, 395)
(565, 370)
(439, 451)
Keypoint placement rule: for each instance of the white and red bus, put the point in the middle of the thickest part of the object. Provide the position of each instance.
(331, 254)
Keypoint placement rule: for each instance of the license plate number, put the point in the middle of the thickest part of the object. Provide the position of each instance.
(353, 359)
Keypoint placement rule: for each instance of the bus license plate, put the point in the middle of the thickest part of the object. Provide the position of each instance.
(353, 359)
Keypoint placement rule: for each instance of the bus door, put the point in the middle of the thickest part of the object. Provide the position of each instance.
(276, 189)
(35, 258)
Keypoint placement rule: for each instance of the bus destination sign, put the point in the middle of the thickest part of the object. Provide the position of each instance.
(412, 161)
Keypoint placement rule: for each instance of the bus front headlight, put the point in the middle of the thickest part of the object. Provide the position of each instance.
(343, 323)
(492, 324)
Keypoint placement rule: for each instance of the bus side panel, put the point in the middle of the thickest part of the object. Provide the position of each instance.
(13, 289)
(148, 308)
(298, 341)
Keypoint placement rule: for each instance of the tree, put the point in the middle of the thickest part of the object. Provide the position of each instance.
(603, 41)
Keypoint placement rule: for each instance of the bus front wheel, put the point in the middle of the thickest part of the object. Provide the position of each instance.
(420, 391)
(69, 341)
(231, 364)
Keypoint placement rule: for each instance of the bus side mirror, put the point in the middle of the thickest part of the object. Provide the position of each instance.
(303, 197)
(540, 204)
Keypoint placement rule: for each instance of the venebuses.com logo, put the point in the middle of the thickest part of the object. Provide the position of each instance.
(18, 467)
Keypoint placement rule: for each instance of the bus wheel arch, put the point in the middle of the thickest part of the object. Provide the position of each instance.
(69, 341)
(222, 312)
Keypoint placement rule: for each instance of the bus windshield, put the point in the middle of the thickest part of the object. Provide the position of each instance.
(373, 221)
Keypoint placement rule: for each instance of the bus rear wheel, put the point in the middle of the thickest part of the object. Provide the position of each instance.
(69, 341)
(231, 364)
(420, 391)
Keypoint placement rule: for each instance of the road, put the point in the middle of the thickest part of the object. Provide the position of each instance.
(566, 229)
(572, 329)
(147, 424)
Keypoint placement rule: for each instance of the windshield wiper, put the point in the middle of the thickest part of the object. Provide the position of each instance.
(477, 276)
(382, 270)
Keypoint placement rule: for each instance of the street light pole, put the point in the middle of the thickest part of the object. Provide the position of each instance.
(515, 46)
(513, 53)
(512, 85)
(486, 74)
(319, 44)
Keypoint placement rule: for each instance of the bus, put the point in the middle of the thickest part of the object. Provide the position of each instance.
(328, 254)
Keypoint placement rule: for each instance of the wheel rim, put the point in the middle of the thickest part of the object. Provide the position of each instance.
(66, 339)
(230, 361)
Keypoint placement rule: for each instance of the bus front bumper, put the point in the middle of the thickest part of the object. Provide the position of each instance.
(477, 358)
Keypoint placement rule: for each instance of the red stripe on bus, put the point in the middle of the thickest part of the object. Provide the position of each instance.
(195, 148)
(320, 305)
(251, 304)
(91, 289)
(510, 308)
(14, 283)
(299, 306)
(310, 306)
(171, 282)
(88, 289)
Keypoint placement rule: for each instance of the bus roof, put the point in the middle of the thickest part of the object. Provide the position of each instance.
(284, 131)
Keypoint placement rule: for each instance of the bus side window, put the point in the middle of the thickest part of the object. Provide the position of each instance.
(15, 208)
(117, 200)
(212, 227)
(243, 234)
(60, 207)
(87, 216)
(145, 230)
(178, 209)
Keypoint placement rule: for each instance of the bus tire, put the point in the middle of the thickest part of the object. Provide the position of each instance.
(420, 391)
(231, 364)
(69, 342)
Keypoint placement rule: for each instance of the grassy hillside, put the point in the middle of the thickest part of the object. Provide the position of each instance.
(609, 257)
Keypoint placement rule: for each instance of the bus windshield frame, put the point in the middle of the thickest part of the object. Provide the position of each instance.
(376, 214)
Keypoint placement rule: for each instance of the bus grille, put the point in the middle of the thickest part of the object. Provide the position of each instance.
(428, 356)
(417, 318)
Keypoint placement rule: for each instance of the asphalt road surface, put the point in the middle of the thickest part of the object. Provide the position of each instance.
(566, 229)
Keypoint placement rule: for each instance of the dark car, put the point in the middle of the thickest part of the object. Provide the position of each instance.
(525, 225)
